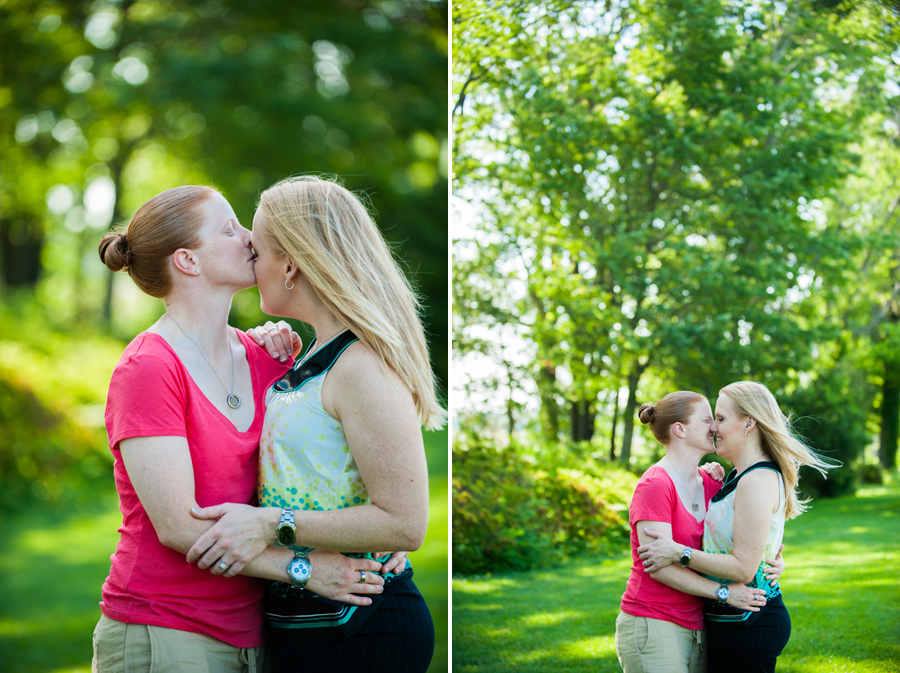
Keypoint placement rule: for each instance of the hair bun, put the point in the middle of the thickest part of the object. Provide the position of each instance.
(114, 251)
(645, 413)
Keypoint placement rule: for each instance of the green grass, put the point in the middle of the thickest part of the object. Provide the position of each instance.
(53, 563)
(841, 586)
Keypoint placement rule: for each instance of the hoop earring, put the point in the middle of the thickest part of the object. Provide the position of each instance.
(286, 284)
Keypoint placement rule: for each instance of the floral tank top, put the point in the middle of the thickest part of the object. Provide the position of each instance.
(718, 529)
(305, 462)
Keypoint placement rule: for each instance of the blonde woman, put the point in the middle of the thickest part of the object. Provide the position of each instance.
(342, 465)
(744, 524)
(660, 626)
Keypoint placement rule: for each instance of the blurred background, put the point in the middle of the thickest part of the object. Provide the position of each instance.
(106, 103)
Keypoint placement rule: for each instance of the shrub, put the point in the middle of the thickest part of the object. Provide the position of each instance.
(495, 512)
(510, 514)
(52, 394)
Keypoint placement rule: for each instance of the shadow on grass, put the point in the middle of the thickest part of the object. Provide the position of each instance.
(560, 620)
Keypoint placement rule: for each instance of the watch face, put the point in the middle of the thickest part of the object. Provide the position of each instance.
(722, 592)
(299, 570)
(285, 535)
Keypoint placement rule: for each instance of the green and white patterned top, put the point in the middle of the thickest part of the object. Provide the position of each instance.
(305, 462)
(718, 528)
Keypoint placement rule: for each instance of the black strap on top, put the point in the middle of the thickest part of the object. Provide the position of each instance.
(315, 364)
(733, 478)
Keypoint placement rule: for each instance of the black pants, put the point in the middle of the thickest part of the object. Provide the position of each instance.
(398, 638)
(751, 646)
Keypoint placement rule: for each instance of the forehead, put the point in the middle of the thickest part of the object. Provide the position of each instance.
(724, 405)
(219, 208)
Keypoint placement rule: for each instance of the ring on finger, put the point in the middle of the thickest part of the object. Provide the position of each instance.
(362, 576)
(223, 565)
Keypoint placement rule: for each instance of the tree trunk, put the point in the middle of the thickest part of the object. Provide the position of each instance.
(118, 217)
(634, 377)
(21, 243)
(583, 415)
(549, 408)
(890, 417)
(510, 405)
(615, 422)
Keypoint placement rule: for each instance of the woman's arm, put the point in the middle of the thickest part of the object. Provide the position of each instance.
(755, 499)
(682, 579)
(162, 474)
(378, 415)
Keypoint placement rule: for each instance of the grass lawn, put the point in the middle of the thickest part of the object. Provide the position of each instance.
(52, 565)
(841, 586)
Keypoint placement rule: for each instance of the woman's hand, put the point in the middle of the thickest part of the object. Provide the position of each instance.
(240, 535)
(396, 563)
(340, 577)
(279, 340)
(660, 553)
(714, 470)
(774, 567)
(744, 598)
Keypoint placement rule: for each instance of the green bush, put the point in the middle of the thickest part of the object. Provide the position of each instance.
(52, 395)
(495, 512)
(509, 513)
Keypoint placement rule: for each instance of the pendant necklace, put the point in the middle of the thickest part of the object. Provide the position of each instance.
(233, 400)
(694, 506)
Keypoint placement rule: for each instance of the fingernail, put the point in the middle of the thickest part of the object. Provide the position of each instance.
(260, 342)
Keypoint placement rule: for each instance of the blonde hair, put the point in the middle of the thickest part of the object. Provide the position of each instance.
(777, 439)
(673, 408)
(170, 220)
(327, 231)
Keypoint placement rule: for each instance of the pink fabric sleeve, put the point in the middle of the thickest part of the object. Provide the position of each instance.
(147, 396)
(654, 500)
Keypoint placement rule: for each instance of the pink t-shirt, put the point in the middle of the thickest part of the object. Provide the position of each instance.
(152, 395)
(655, 499)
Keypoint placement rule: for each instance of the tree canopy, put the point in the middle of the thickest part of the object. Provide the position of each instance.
(677, 195)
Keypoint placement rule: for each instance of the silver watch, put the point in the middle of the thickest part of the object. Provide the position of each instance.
(722, 593)
(685, 556)
(299, 570)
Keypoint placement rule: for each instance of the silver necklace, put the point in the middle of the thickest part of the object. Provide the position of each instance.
(233, 400)
(694, 505)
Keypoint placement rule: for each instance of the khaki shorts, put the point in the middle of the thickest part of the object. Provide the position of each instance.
(646, 645)
(138, 648)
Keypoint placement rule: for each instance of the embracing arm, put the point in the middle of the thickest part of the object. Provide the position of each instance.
(689, 582)
(755, 499)
(377, 413)
(162, 474)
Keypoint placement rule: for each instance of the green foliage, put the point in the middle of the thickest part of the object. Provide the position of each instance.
(654, 188)
(830, 416)
(52, 396)
(515, 512)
